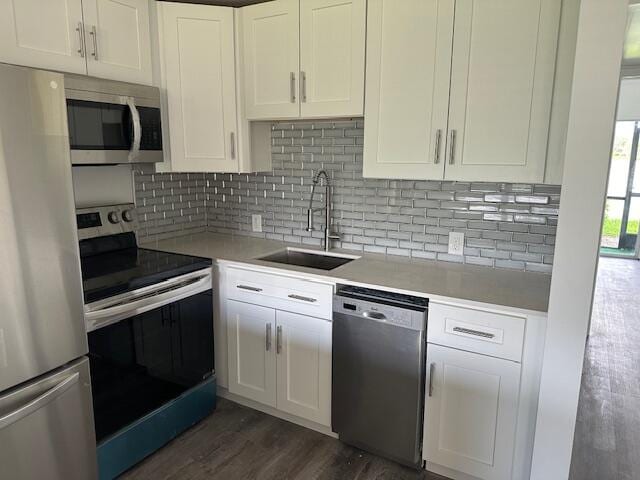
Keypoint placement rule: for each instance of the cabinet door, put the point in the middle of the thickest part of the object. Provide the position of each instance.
(407, 99)
(332, 38)
(304, 366)
(118, 40)
(471, 412)
(42, 34)
(252, 358)
(501, 88)
(270, 36)
(199, 75)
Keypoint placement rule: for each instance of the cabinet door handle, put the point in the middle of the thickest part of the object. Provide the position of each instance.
(94, 35)
(233, 145)
(436, 157)
(268, 337)
(80, 30)
(304, 299)
(432, 372)
(293, 87)
(477, 333)
(279, 339)
(247, 287)
(303, 86)
(452, 148)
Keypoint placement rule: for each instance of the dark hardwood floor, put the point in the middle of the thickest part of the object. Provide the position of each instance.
(607, 437)
(240, 443)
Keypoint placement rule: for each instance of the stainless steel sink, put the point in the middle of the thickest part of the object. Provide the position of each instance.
(309, 258)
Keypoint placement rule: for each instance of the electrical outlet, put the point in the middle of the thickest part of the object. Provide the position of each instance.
(456, 243)
(256, 223)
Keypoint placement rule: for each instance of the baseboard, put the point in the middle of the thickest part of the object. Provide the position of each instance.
(225, 393)
(447, 472)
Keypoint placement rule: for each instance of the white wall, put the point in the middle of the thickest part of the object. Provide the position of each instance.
(103, 185)
(629, 102)
(592, 113)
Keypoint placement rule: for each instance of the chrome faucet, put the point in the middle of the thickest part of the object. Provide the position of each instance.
(328, 236)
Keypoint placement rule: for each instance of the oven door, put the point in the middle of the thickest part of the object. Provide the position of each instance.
(110, 129)
(144, 361)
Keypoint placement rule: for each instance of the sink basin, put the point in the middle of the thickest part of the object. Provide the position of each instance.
(309, 258)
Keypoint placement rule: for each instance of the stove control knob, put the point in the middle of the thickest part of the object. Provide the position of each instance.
(113, 217)
(127, 215)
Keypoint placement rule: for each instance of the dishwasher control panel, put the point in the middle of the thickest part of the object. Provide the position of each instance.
(387, 307)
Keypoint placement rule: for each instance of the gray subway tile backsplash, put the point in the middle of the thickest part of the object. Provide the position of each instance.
(506, 225)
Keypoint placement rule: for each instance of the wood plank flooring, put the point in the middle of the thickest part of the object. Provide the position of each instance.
(607, 437)
(240, 443)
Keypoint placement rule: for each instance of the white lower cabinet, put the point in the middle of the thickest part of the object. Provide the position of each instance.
(280, 359)
(471, 412)
(252, 359)
(304, 366)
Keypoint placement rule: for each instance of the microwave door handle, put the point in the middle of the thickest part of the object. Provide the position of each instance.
(134, 153)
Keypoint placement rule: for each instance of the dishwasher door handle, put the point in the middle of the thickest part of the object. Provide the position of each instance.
(374, 315)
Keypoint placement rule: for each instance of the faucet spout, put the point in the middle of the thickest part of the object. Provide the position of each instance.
(328, 236)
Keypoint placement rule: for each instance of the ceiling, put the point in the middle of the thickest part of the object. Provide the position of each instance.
(224, 3)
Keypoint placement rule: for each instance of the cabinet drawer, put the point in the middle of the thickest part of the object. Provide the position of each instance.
(479, 331)
(280, 292)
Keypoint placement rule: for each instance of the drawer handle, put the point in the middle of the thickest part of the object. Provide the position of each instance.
(477, 333)
(304, 299)
(247, 287)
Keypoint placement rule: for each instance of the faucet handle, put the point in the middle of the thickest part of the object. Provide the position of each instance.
(309, 219)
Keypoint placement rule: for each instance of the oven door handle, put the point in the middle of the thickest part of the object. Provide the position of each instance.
(143, 302)
(134, 152)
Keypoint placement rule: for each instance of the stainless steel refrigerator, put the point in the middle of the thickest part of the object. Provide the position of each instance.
(46, 419)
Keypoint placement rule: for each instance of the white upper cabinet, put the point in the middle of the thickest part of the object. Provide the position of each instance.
(270, 47)
(103, 38)
(471, 412)
(43, 34)
(473, 100)
(407, 97)
(303, 58)
(332, 55)
(117, 39)
(501, 88)
(198, 70)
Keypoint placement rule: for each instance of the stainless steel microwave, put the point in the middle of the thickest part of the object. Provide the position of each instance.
(112, 122)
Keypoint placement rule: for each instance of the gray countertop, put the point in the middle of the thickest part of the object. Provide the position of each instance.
(436, 280)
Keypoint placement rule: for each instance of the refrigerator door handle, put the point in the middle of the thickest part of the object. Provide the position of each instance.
(38, 402)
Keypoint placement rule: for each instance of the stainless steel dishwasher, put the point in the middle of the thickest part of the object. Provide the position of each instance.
(379, 350)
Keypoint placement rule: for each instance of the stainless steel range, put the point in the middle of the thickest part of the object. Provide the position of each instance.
(149, 318)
